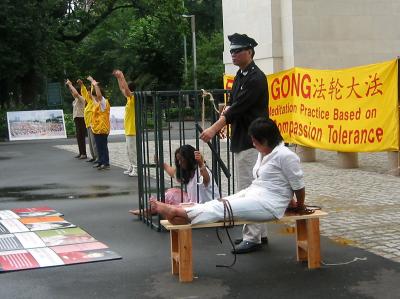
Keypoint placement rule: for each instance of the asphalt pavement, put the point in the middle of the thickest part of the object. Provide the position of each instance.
(37, 173)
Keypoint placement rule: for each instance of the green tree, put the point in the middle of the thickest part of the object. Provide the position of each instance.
(210, 67)
(44, 40)
(40, 39)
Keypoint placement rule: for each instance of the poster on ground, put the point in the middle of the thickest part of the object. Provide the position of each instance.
(34, 212)
(37, 124)
(45, 240)
(84, 253)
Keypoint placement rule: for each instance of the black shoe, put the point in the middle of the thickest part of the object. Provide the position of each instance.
(246, 247)
(97, 165)
(91, 160)
(103, 167)
(264, 240)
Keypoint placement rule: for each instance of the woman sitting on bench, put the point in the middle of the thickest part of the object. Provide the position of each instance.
(277, 175)
(190, 170)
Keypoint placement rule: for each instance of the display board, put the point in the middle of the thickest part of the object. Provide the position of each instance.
(38, 124)
(117, 115)
(40, 237)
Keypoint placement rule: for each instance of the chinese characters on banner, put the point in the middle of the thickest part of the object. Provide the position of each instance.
(347, 110)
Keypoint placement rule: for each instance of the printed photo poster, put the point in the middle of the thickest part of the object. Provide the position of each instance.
(12, 226)
(37, 124)
(20, 241)
(45, 240)
(17, 260)
(9, 242)
(8, 214)
(38, 226)
(28, 259)
(35, 212)
(85, 253)
(66, 236)
(117, 115)
(29, 220)
(46, 223)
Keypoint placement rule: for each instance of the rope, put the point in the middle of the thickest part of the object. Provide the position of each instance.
(229, 222)
(204, 94)
(207, 93)
(345, 263)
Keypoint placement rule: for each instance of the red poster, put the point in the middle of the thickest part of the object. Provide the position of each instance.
(85, 252)
(36, 212)
(17, 260)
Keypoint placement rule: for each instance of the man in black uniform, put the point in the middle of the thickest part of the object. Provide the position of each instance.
(248, 101)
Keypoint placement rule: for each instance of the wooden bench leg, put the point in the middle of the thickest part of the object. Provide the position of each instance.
(185, 255)
(313, 242)
(181, 254)
(308, 242)
(301, 240)
(174, 251)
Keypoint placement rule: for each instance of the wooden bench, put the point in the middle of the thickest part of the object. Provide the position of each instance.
(307, 241)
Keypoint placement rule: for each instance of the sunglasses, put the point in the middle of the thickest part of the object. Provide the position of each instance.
(236, 51)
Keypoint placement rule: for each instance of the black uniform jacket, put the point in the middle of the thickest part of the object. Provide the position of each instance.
(248, 101)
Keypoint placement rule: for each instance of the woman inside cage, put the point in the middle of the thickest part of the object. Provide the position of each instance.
(277, 177)
(191, 171)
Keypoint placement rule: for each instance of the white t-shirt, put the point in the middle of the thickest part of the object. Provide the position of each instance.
(78, 106)
(276, 175)
(205, 193)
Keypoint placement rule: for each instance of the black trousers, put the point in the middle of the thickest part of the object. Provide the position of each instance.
(80, 130)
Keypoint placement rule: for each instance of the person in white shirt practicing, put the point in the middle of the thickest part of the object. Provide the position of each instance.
(190, 170)
(78, 107)
(277, 177)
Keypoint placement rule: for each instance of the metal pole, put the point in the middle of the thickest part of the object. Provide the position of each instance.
(185, 56)
(185, 70)
(193, 25)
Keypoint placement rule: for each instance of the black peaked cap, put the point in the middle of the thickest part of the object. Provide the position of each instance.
(241, 41)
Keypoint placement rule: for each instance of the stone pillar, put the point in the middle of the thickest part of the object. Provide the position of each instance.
(393, 163)
(347, 160)
(306, 154)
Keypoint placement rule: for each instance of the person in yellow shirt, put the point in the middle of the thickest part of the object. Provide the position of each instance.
(101, 125)
(88, 113)
(129, 121)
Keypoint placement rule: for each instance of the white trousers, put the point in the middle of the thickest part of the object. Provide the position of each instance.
(131, 149)
(244, 163)
(243, 209)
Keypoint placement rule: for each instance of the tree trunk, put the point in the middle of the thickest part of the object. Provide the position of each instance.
(29, 85)
(4, 96)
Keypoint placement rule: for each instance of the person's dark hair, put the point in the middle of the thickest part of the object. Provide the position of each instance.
(102, 90)
(252, 53)
(186, 151)
(265, 131)
(131, 86)
(78, 88)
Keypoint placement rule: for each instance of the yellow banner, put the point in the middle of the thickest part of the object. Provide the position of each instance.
(347, 110)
